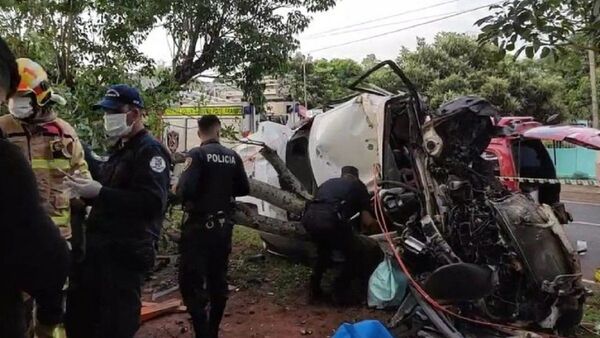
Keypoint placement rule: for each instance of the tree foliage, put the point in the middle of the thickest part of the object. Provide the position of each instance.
(326, 80)
(231, 36)
(84, 47)
(563, 29)
(87, 45)
(544, 26)
(453, 65)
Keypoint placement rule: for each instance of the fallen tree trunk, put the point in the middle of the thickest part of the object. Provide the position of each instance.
(287, 180)
(277, 197)
(246, 216)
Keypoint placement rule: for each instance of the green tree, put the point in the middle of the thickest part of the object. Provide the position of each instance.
(454, 65)
(550, 27)
(231, 35)
(86, 46)
(326, 80)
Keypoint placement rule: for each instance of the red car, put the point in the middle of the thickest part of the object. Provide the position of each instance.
(522, 154)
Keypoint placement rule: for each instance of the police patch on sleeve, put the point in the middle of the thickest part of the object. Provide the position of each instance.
(158, 164)
(187, 163)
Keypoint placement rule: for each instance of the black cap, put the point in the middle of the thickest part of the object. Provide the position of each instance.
(350, 170)
(119, 95)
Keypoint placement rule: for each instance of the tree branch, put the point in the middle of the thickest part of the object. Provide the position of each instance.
(244, 215)
(279, 198)
(287, 180)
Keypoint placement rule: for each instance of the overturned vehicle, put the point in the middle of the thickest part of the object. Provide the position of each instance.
(482, 260)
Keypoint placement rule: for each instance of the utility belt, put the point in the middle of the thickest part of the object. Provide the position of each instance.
(336, 207)
(217, 220)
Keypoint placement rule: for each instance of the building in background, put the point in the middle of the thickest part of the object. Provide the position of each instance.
(226, 101)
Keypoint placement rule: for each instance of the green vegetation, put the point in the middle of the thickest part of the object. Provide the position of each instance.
(591, 315)
(249, 270)
(87, 45)
(456, 64)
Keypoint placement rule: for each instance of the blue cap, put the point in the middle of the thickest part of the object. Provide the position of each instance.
(118, 95)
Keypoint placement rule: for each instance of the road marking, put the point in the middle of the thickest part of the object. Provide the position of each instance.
(586, 223)
(581, 203)
(589, 281)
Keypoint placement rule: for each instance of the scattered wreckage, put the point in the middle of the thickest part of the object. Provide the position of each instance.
(483, 260)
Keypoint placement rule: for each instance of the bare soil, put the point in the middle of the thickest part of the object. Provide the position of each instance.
(268, 298)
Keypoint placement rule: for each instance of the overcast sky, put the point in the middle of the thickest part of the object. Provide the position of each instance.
(325, 28)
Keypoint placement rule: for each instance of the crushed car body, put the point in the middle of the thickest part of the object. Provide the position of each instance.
(472, 246)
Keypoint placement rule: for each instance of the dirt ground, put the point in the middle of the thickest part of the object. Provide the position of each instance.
(251, 313)
(268, 299)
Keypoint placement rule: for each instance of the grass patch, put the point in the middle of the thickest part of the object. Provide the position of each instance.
(267, 273)
(591, 314)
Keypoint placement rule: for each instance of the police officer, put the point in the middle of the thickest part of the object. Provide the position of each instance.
(332, 219)
(128, 206)
(213, 176)
(33, 255)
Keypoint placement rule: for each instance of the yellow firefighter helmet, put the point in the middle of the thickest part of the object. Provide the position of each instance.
(34, 80)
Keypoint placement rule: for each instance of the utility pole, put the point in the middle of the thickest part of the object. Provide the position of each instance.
(594, 89)
(304, 76)
(594, 92)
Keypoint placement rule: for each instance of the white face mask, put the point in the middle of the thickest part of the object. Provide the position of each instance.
(116, 125)
(20, 107)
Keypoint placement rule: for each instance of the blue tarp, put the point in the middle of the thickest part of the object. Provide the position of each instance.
(364, 329)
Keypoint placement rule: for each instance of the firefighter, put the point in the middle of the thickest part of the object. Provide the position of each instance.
(33, 255)
(213, 176)
(128, 201)
(341, 205)
(50, 143)
(52, 147)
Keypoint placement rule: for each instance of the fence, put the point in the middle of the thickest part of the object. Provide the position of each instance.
(572, 161)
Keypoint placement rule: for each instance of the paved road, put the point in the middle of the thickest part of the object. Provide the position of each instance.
(586, 227)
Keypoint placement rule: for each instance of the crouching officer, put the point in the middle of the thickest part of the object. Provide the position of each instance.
(339, 208)
(212, 177)
(128, 205)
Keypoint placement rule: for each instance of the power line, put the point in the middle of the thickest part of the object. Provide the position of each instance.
(382, 25)
(385, 17)
(404, 28)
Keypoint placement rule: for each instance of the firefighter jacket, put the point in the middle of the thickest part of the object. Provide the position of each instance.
(52, 149)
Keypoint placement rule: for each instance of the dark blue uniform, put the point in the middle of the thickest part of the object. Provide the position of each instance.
(122, 229)
(331, 220)
(213, 177)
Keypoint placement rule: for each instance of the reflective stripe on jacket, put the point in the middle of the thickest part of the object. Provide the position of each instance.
(50, 147)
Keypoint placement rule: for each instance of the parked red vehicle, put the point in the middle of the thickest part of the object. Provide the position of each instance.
(522, 154)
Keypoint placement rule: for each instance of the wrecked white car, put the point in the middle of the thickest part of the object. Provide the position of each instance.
(471, 248)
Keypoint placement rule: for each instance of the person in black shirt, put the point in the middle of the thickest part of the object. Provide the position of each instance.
(33, 255)
(332, 220)
(213, 176)
(129, 201)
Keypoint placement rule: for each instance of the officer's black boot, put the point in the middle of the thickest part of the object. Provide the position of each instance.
(217, 309)
(200, 322)
(316, 293)
(321, 264)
